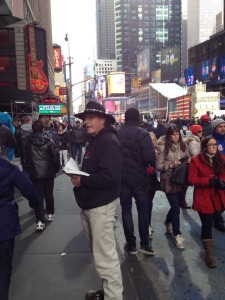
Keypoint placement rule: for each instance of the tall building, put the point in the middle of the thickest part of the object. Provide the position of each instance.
(140, 23)
(201, 20)
(14, 75)
(105, 29)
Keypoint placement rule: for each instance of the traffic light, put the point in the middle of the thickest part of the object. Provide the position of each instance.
(139, 83)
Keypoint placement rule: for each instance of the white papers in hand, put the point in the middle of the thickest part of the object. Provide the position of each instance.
(71, 168)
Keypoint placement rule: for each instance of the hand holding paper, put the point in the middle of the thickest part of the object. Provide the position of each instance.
(72, 168)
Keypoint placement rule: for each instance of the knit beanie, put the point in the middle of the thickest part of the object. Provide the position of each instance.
(132, 114)
(204, 118)
(195, 129)
(217, 122)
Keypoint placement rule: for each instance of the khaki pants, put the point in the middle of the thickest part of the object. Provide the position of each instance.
(98, 225)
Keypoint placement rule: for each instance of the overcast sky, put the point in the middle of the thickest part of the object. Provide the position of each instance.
(77, 18)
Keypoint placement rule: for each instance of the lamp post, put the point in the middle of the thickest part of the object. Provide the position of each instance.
(69, 86)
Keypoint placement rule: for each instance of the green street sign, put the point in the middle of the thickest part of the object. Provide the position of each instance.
(55, 109)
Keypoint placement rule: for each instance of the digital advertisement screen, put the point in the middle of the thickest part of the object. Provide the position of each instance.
(189, 76)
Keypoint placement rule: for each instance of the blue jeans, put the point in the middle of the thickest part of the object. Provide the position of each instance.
(77, 152)
(173, 215)
(141, 199)
(6, 256)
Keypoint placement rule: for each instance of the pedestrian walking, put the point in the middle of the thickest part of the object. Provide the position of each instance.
(63, 144)
(193, 142)
(171, 150)
(7, 140)
(10, 178)
(6, 120)
(21, 134)
(206, 125)
(49, 131)
(153, 186)
(42, 163)
(138, 153)
(97, 196)
(207, 175)
(78, 137)
(218, 133)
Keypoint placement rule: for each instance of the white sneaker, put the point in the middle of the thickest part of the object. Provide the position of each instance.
(40, 226)
(50, 217)
(169, 227)
(150, 232)
(179, 241)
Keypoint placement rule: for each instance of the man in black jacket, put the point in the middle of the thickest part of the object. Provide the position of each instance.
(138, 153)
(97, 196)
(42, 163)
(78, 137)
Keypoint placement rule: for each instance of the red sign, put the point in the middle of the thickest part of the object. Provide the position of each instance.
(57, 58)
(50, 100)
(63, 91)
(37, 74)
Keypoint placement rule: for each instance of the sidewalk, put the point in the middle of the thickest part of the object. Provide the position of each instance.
(56, 264)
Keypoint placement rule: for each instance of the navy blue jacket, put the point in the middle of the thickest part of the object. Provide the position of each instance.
(11, 177)
(103, 161)
(138, 153)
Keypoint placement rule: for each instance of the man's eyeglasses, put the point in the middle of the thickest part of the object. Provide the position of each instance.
(212, 145)
(200, 131)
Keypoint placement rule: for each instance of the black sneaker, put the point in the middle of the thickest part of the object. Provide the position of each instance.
(147, 250)
(131, 250)
(95, 295)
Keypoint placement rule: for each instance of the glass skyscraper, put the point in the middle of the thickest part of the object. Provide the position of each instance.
(140, 23)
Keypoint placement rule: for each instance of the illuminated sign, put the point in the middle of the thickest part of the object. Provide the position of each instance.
(63, 90)
(56, 109)
(57, 58)
(37, 66)
(116, 83)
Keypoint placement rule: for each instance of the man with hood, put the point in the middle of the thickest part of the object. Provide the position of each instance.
(218, 126)
(97, 196)
(42, 163)
(21, 134)
(10, 178)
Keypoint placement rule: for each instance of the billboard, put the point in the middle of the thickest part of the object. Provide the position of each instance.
(170, 64)
(189, 76)
(116, 83)
(57, 58)
(143, 64)
(37, 64)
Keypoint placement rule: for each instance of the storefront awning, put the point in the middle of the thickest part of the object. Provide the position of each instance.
(169, 90)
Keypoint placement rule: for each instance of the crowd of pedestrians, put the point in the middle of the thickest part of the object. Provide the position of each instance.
(124, 162)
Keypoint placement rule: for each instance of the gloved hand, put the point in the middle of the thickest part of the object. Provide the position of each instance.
(214, 182)
(221, 184)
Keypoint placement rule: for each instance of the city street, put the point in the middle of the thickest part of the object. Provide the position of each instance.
(57, 264)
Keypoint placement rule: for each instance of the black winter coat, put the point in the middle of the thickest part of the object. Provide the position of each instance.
(42, 157)
(103, 161)
(11, 177)
(52, 134)
(138, 153)
(63, 140)
(21, 134)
